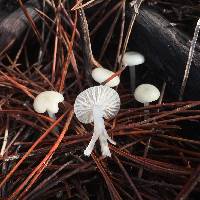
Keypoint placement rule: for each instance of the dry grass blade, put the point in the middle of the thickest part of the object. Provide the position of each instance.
(67, 60)
(55, 52)
(189, 61)
(129, 179)
(153, 165)
(106, 42)
(100, 23)
(30, 150)
(80, 5)
(31, 22)
(189, 186)
(107, 178)
(38, 170)
(18, 85)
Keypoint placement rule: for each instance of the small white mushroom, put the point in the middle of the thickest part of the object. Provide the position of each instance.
(101, 74)
(146, 93)
(48, 101)
(92, 105)
(131, 59)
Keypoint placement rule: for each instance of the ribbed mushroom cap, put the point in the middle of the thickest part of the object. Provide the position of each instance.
(146, 93)
(101, 74)
(47, 101)
(132, 58)
(103, 96)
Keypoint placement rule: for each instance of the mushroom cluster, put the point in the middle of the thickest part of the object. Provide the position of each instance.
(92, 105)
(99, 102)
(144, 93)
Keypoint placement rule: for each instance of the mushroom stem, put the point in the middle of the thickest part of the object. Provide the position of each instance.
(146, 104)
(99, 132)
(132, 78)
(146, 112)
(52, 115)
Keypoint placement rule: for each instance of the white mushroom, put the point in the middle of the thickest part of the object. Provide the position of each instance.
(131, 59)
(48, 101)
(101, 74)
(146, 93)
(92, 105)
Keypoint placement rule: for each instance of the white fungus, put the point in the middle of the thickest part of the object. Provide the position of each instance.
(101, 74)
(131, 59)
(92, 105)
(146, 93)
(48, 101)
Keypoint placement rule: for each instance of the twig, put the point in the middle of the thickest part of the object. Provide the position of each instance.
(67, 59)
(162, 93)
(189, 61)
(108, 181)
(121, 35)
(89, 58)
(30, 150)
(18, 85)
(146, 150)
(109, 35)
(43, 32)
(32, 23)
(189, 186)
(5, 140)
(136, 4)
(55, 51)
(38, 170)
(107, 15)
(41, 185)
(129, 179)
(152, 164)
(87, 4)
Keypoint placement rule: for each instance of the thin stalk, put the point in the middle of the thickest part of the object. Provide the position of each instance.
(189, 61)
(99, 133)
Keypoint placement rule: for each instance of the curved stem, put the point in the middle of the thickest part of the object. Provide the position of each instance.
(109, 138)
(90, 146)
(53, 116)
(104, 146)
(99, 132)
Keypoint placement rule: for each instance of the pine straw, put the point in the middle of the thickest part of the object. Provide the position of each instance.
(39, 163)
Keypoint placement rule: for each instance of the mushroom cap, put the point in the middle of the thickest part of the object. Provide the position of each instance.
(103, 96)
(146, 93)
(101, 74)
(132, 58)
(47, 101)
